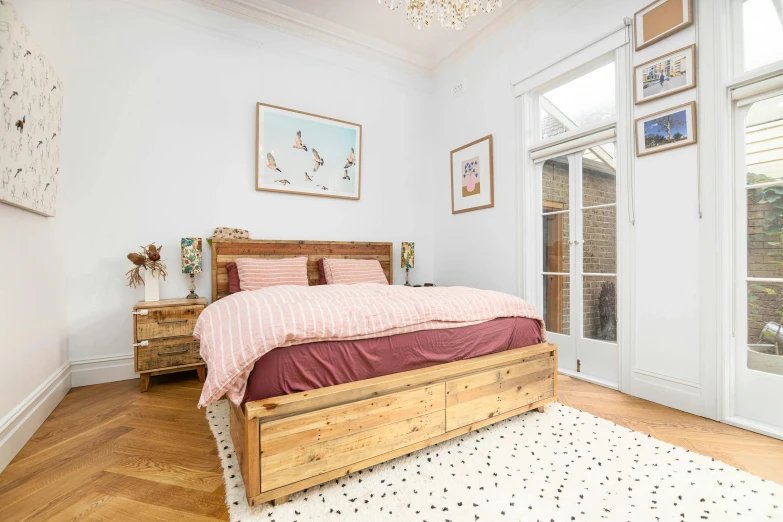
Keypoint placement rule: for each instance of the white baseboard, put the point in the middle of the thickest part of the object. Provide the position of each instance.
(758, 427)
(99, 370)
(19, 425)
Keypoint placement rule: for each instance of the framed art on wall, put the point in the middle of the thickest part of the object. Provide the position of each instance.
(665, 75)
(664, 130)
(31, 96)
(660, 19)
(472, 180)
(303, 153)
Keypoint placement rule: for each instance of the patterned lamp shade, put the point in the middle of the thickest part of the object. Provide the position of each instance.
(406, 259)
(191, 255)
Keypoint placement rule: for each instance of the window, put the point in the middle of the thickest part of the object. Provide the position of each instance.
(762, 30)
(764, 226)
(582, 102)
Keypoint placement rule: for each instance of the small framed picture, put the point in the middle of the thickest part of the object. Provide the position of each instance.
(666, 130)
(666, 75)
(660, 19)
(472, 181)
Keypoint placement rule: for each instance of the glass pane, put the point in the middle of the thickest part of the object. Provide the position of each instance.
(762, 28)
(765, 334)
(582, 102)
(599, 179)
(764, 141)
(556, 304)
(600, 308)
(600, 240)
(556, 247)
(765, 232)
(554, 182)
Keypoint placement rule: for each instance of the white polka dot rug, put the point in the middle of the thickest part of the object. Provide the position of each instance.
(561, 465)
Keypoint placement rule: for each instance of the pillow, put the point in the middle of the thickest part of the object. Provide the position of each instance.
(233, 278)
(263, 273)
(351, 271)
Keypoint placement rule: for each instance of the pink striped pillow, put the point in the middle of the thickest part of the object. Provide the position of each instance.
(263, 273)
(350, 271)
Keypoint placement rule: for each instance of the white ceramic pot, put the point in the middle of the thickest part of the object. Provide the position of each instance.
(151, 285)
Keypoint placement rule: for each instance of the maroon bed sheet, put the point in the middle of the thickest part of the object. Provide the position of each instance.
(305, 367)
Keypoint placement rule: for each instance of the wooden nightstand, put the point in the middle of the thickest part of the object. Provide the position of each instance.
(163, 339)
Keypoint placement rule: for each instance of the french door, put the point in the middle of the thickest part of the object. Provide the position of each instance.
(579, 262)
(758, 355)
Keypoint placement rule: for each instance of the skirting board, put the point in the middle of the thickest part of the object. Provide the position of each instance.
(18, 426)
(99, 370)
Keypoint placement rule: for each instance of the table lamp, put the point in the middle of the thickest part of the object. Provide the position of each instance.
(191, 262)
(406, 259)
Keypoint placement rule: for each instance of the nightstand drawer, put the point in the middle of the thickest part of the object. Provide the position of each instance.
(167, 322)
(167, 353)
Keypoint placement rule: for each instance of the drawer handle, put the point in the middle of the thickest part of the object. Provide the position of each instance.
(173, 321)
(174, 352)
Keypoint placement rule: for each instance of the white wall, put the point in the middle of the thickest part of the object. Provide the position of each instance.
(159, 144)
(667, 255)
(33, 332)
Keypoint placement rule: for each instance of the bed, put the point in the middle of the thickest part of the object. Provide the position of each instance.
(317, 431)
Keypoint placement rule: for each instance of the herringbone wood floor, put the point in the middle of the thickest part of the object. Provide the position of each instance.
(109, 452)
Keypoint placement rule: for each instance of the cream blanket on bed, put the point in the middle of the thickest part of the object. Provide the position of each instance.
(237, 330)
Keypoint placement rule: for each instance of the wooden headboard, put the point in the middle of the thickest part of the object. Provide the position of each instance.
(227, 250)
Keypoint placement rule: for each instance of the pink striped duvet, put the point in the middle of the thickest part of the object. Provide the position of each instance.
(240, 328)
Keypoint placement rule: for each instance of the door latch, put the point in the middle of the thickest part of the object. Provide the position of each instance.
(578, 365)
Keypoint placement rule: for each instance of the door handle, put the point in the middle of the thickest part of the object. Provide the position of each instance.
(174, 352)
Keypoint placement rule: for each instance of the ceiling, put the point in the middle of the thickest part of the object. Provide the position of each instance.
(375, 20)
(365, 24)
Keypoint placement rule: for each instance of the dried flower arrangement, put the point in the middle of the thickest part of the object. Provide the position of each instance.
(149, 259)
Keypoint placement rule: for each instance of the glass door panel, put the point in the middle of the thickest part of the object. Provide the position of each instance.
(759, 350)
(579, 260)
(597, 350)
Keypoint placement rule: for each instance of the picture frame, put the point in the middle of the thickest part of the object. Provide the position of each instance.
(660, 20)
(472, 165)
(299, 152)
(665, 130)
(666, 75)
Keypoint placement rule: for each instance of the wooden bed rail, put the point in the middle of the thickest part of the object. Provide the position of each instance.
(289, 443)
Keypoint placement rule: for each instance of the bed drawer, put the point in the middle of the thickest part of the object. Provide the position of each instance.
(167, 322)
(168, 353)
(298, 447)
(483, 395)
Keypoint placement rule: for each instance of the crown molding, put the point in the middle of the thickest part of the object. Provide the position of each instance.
(282, 18)
(512, 9)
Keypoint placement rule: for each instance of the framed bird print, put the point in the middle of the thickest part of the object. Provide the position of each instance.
(302, 153)
(472, 178)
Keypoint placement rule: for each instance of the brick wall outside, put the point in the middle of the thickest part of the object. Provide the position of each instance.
(599, 233)
(764, 260)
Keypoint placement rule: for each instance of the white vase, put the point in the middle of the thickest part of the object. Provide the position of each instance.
(151, 285)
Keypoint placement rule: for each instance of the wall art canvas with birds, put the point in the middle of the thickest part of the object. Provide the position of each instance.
(326, 150)
(31, 99)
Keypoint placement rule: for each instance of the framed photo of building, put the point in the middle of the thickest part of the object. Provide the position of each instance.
(665, 75)
(661, 19)
(472, 179)
(302, 153)
(666, 130)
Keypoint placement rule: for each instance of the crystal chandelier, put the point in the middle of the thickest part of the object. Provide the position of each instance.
(451, 13)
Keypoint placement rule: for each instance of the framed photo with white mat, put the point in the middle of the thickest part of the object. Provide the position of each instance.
(472, 178)
(666, 75)
(664, 130)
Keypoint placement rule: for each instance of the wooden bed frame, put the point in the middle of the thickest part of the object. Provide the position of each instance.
(288, 443)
